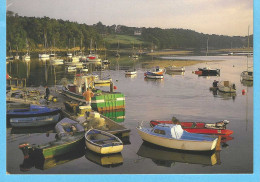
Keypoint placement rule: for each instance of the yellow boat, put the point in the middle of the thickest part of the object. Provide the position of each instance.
(102, 142)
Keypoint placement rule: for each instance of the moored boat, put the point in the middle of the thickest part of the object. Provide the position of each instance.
(31, 115)
(218, 128)
(173, 136)
(227, 87)
(206, 71)
(155, 73)
(101, 101)
(102, 142)
(70, 135)
(170, 69)
(247, 75)
(130, 72)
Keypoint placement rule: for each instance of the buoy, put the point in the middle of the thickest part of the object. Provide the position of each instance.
(243, 92)
(115, 87)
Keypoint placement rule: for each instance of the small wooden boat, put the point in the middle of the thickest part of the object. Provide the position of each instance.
(173, 136)
(227, 87)
(218, 128)
(102, 142)
(27, 115)
(70, 135)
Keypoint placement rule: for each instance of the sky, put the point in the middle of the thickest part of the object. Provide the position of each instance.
(221, 17)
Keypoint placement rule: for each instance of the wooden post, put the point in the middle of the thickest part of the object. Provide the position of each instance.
(111, 87)
(218, 146)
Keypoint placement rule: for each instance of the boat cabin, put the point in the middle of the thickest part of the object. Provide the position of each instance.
(168, 130)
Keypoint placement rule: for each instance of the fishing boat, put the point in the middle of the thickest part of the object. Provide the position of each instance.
(207, 71)
(102, 100)
(170, 69)
(155, 73)
(28, 115)
(70, 137)
(102, 142)
(227, 87)
(218, 128)
(174, 137)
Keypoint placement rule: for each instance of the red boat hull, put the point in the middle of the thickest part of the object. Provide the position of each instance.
(198, 128)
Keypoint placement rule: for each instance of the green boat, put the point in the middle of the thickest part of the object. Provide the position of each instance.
(102, 100)
(70, 136)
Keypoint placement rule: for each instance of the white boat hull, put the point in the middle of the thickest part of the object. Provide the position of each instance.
(178, 144)
(34, 121)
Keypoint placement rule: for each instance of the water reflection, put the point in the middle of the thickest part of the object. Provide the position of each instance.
(175, 73)
(109, 161)
(168, 157)
(223, 95)
(44, 164)
(247, 83)
(46, 129)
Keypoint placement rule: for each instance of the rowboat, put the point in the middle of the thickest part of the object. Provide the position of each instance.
(218, 128)
(26, 115)
(70, 135)
(174, 137)
(102, 142)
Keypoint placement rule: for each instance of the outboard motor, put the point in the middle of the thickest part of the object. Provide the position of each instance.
(25, 149)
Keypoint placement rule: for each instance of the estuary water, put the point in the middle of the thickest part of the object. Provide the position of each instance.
(185, 96)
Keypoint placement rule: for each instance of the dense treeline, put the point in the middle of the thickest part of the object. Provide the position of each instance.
(62, 32)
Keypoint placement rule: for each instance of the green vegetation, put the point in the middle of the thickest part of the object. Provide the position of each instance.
(62, 32)
(125, 41)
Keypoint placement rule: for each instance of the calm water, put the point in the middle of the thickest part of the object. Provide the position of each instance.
(186, 97)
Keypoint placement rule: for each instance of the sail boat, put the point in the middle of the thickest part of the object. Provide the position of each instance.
(45, 55)
(27, 56)
(92, 57)
(105, 61)
(68, 53)
(75, 58)
(10, 57)
(53, 47)
(247, 75)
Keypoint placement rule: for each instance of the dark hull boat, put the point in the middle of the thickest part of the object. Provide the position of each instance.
(70, 136)
(208, 72)
(26, 115)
